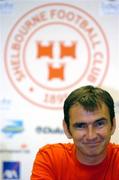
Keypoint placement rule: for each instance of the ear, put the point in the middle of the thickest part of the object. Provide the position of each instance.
(66, 130)
(113, 127)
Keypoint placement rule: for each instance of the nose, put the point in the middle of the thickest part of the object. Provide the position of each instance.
(91, 133)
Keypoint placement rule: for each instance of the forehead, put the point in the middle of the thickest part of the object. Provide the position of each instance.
(78, 112)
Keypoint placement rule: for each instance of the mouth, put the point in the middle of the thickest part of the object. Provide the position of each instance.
(93, 145)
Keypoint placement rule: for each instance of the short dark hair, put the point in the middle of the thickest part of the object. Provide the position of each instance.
(90, 98)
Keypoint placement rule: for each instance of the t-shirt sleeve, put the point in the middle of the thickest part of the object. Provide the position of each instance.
(43, 166)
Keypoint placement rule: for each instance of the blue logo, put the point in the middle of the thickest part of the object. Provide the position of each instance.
(110, 7)
(14, 127)
(6, 6)
(11, 170)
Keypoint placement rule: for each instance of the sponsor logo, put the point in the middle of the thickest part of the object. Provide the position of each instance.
(49, 130)
(6, 6)
(14, 127)
(53, 49)
(110, 7)
(23, 149)
(11, 170)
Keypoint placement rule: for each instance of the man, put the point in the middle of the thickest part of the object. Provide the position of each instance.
(89, 119)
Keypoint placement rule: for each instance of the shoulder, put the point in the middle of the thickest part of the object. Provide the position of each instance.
(54, 151)
(57, 147)
(113, 158)
(114, 149)
(114, 146)
(52, 159)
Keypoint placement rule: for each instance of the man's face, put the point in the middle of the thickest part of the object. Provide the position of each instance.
(91, 131)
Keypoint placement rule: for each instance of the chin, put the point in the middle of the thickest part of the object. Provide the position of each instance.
(95, 152)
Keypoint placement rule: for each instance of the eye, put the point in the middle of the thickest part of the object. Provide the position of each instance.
(80, 125)
(100, 123)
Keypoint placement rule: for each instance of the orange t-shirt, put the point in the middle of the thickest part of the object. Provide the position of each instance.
(58, 162)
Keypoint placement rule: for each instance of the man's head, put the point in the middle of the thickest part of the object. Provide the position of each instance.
(90, 98)
(89, 119)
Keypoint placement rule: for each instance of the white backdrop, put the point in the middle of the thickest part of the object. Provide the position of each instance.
(48, 48)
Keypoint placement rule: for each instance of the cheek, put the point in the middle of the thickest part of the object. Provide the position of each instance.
(77, 135)
(104, 132)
